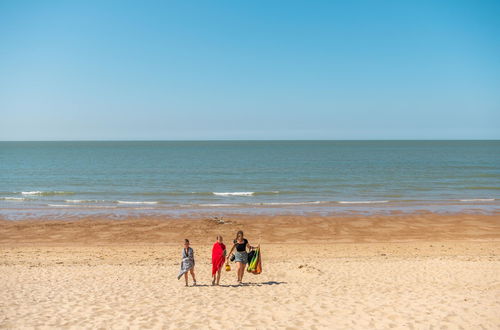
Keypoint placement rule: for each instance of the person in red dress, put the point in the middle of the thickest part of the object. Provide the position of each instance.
(218, 259)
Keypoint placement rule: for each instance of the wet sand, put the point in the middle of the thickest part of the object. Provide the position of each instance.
(401, 271)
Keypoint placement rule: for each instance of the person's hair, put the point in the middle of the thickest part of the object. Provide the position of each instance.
(218, 237)
(186, 240)
(240, 232)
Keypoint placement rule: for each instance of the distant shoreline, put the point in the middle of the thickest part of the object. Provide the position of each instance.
(122, 210)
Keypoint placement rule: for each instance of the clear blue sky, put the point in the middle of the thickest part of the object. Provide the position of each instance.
(249, 70)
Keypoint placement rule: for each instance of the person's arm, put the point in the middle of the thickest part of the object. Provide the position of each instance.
(249, 247)
(252, 247)
(234, 245)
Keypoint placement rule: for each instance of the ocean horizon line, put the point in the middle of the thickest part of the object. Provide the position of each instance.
(255, 140)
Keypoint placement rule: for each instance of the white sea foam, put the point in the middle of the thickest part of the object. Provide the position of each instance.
(240, 193)
(216, 205)
(362, 202)
(46, 193)
(13, 198)
(478, 200)
(136, 202)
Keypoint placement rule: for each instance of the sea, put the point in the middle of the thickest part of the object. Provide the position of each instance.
(119, 179)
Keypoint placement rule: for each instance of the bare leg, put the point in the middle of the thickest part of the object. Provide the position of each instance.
(238, 270)
(186, 278)
(218, 276)
(192, 275)
(242, 272)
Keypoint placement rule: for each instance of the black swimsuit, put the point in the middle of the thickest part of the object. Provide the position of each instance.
(240, 247)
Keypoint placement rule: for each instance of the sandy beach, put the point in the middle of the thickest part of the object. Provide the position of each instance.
(413, 271)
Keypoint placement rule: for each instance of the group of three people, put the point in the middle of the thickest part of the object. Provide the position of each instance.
(219, 257)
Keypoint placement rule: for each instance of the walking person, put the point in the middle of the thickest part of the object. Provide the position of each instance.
(187, 263)
(218, 258)
(240, 255)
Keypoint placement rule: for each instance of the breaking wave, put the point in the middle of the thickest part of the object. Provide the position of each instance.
(46, 193)
(13, 198)
(241, 193)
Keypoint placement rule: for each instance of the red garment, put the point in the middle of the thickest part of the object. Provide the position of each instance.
(218, 256)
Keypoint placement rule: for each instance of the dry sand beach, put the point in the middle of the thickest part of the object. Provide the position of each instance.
(415, 271)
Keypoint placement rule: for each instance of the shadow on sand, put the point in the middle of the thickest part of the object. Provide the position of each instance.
(252, 284)
(240, 285)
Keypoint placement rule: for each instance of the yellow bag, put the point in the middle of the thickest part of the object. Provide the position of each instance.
(228, 268)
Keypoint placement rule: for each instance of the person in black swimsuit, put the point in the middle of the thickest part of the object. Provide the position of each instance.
(240, 255)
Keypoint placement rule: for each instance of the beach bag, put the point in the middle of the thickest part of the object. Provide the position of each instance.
(251, 255)
(258, 267)
(254, 264)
